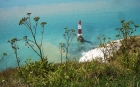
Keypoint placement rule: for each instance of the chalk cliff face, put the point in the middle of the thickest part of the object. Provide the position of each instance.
(100, 52)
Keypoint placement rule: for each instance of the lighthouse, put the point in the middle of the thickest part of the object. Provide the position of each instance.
(79, 35)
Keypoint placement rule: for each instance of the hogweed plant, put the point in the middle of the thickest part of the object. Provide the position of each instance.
(27, 23)
(68, 35)
(32, 71)
(15, 47)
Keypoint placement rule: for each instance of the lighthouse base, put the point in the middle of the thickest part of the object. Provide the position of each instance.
(80, 38)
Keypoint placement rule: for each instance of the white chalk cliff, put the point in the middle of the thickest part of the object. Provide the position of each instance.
(100, 51)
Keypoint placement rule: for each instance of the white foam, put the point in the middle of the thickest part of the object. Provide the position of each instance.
(100, 51)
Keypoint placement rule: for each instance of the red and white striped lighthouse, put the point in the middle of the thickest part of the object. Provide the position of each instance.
(79, 28)
(79, 35)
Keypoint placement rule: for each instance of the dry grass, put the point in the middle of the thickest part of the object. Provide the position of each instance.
(8, 72)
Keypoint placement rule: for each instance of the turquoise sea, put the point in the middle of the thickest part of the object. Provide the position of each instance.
(99, 17)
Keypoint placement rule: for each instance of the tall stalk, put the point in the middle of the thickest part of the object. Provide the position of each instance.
(68, 35)
(15, 47)
(27, 23)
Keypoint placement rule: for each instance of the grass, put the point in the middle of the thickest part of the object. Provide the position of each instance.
(8, 72)
(7, 78)
(75, 74)
(89, 74)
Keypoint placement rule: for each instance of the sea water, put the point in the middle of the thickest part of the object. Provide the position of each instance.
(94, 23)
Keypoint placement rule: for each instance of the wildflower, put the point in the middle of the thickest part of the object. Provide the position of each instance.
(3, 80)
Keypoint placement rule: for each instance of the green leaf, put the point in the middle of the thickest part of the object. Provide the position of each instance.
(122, 21)
(4, 54)
(118, 35)
(136, 26)
(65, 28)
(60, 43)
(72, 30)
(132, 22)
(20, 22)
(25, 37)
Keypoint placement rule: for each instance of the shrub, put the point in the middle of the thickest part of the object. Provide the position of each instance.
(125, 33)
(36, 73)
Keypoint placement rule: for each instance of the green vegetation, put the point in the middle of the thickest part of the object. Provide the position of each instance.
(122, 70)
(128, 28)
(36, 73)
(4, 54)
(103, 43)
(68, 35)
(15, 47)
(88, 74)
(61, 49)
(26, 21)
